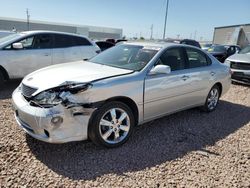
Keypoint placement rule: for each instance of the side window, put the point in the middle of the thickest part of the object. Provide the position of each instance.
(80, 41)
(174, 58)
(231, 50)
(42, 41)
(197, 58)
(63, 41)
(27, 43)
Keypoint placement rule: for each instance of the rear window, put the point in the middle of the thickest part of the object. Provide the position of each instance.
(81, 41)
(64, 41)
(197, 58)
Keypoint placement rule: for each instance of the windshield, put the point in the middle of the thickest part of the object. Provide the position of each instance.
(217, 49)
(126, 57)
(9, 37)
(206, 45)
(245, 50)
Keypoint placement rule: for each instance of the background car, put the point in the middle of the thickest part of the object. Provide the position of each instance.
(206, 46)
(110, 40)
(120, 40)
(221, 52)
(127, 85)
(23, 53)
(240, 66)
(190, 42)
(218, 51)
(104, 45)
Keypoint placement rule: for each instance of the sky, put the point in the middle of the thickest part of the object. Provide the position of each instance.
(186, 18)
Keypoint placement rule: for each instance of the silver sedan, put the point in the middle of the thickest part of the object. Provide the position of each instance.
(105, 97)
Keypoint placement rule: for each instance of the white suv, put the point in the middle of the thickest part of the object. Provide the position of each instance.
(23, 53)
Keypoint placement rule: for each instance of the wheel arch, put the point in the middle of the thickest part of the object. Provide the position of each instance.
(130, 103)
(220, 87)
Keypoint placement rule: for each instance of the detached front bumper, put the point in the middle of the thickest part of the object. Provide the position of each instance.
(54, 125)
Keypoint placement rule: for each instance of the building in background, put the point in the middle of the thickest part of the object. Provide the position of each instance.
(234, 34)
(93, 32)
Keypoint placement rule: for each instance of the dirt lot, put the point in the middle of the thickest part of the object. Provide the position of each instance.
(187, 149)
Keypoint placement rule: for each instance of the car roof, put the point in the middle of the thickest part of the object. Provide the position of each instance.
(49, 32)
(162, 45)
(151, 44)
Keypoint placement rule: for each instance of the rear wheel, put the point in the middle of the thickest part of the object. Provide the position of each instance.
(111, 125)
(212, 99)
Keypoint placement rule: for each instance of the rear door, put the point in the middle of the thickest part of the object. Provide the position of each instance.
(65, 49)
(87, 49)
(199, 74)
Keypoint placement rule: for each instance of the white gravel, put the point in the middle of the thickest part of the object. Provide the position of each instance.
(187, 149)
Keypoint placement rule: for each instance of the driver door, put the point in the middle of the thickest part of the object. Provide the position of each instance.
(35, 54)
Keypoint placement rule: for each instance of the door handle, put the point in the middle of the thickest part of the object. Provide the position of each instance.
(212, 73)
(185, 77)
(46, 54)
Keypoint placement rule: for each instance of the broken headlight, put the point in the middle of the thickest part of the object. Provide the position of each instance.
(47, 98)
(59, 94)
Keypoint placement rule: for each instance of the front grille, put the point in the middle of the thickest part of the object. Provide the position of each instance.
(241, 77)
(27, 91)
(240, 66)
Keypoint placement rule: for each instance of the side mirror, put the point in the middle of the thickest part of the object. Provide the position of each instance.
(17, 45)
(160, 69)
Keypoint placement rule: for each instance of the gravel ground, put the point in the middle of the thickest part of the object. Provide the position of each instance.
(187, 149)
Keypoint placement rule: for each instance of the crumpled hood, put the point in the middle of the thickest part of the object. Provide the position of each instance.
(79, 71)
(245, 58)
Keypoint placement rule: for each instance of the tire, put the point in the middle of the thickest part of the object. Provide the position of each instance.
(111, 132)
(212, 99)
(1, 78)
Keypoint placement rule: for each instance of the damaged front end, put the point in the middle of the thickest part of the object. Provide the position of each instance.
(55, 115)
(61, 94)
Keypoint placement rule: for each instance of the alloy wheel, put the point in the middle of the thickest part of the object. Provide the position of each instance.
(213, 99)
(114, 126)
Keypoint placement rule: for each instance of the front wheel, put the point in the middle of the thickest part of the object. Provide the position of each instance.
(212, 99)
(111, 125)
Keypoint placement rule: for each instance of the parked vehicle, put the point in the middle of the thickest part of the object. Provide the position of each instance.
(104, 45)
(221, 52)
(106, 97)
(206, 46)
(184, 41)
(110, 40)
(240, 66)
(120, 40)
(190, 42)
(23, 53)
(232, 49)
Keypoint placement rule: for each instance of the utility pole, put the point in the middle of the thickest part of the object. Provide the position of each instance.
(28, 19)
(166, 17)
(151, 29)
